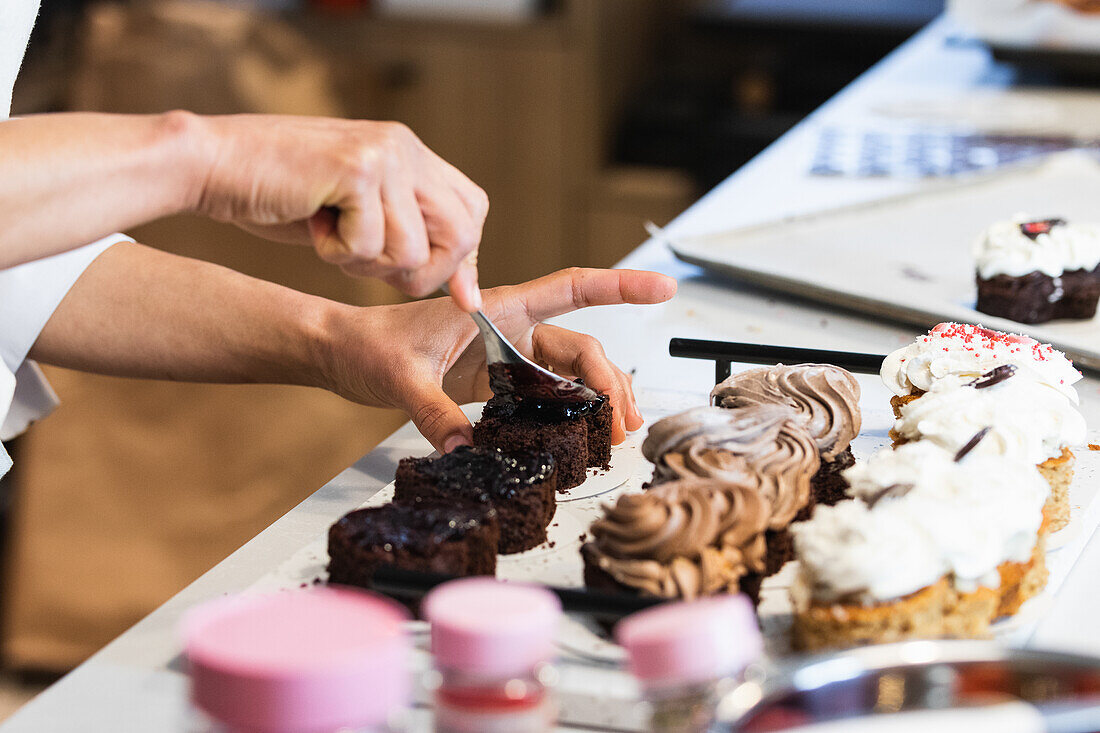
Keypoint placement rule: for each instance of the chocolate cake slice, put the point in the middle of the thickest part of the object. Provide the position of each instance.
(577, 433)
(455, 537)
(519, 486)
(1038, 270)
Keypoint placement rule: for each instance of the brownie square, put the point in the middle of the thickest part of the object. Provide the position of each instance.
(578, 436)
(457, 538)
(519, 486)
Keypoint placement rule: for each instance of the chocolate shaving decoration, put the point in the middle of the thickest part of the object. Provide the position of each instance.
(995, 376)
(972, 444)
(1032, 229)
(893, 491)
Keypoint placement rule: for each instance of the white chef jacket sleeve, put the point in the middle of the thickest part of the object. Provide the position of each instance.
(29, 294)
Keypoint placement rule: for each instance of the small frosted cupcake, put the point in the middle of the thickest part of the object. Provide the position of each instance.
(1024, 421)
(825, 399)
(681, 539)
(962, 352)
(1035, 270)
(866, 578)
(763, 445)
(983, 513)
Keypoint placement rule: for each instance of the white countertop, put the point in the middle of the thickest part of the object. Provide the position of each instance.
(136, 682)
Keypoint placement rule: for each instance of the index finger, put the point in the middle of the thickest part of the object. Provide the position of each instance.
(569, 290)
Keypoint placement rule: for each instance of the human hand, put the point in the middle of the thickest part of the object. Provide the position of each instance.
(425, 357)
(368, 196)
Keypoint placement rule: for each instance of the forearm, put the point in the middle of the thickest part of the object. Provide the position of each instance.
(139, 312)
(69, 179)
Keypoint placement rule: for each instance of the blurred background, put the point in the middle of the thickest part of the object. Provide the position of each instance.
(582, 119)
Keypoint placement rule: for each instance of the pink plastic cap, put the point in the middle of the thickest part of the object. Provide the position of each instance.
(483, 626)
(311, 660)
(691, 642)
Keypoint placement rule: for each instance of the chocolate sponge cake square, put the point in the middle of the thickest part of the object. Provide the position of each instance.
(566, 441)
(577, 435)
(519, 486)
(599, 435)
(453, 537)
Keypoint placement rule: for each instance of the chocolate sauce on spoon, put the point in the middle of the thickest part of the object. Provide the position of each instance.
(520, 389)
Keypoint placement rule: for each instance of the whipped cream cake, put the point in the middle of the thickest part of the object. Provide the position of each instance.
(1027, 422)
(935, 544)
(1035, 270)
(962, 352)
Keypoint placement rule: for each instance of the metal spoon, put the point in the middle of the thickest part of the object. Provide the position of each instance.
(517, 369)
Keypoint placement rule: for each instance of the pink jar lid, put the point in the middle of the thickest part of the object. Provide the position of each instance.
(484, 626)
(691, 642)
(310, 660)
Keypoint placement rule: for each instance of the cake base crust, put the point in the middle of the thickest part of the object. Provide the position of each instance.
(1021, 581)
(968, 615)
(1058, 472)
(898, 400)
(919, 615)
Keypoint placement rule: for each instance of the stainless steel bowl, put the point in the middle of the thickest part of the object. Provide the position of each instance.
(1062, 690)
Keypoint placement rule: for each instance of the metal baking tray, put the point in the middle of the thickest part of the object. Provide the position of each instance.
(908, 258)
(919, 686)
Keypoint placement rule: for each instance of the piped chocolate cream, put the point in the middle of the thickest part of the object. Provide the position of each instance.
(683, 539)
(764, 445)
(825, 399)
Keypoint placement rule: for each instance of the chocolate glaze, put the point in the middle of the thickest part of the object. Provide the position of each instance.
(528, 393)
(1032, 229)
(410, 526)
(485, 473)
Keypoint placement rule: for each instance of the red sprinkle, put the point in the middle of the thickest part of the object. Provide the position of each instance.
(978, 337)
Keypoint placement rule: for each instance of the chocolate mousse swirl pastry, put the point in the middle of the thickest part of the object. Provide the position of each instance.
(825, 397)
(682, 539)
(765, 445)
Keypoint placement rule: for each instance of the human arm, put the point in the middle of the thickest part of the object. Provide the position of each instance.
(368, 196)
(139, 312)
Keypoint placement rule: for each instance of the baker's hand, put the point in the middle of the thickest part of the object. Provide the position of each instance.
(368, 196)
(425, 359)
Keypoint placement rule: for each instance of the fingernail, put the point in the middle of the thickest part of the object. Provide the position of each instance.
(455, 441)
(470, 275)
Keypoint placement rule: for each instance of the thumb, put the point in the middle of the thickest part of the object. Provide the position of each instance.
(439, 419)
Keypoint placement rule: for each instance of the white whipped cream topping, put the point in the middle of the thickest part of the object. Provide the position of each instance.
(848, 551)
(962, 352)
(1029, 422)
(1004, 249)
(977, 513)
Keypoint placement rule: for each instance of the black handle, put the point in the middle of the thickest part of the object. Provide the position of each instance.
(725, 352)
(411, 585)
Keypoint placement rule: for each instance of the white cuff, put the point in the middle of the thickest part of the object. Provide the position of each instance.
(29, 294)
